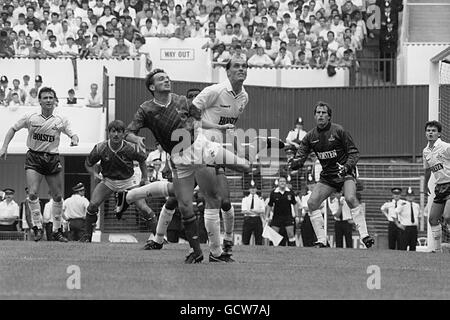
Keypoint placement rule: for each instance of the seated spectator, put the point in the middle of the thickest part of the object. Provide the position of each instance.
(292, 46)
(71, 99)
(32, 99)
(105, 51)
(182, 31)
(129, 29)
(227, 37)
(282, 59)
(94, 99)
(316, 60)
(19, 91)
(165, 29)
(94, 47)
(349, 61)
(269, 50)
(196, 30)
(6, 49)
(70, 48)
(37, 51)
(301, 60)
(22, 50)
(121, 51)
(148, 30)
(139, 48)
(9, 212)
(260, 59)
(237, 51)
(221, 56)
(53, 49)
(212, 42)
(15, 100)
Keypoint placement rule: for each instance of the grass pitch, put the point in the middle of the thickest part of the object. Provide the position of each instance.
(30, 270)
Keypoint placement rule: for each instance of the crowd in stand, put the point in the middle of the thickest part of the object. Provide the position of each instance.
(314, 33)
(25, 94)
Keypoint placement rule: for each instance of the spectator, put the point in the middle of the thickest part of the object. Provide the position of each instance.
(37, 51)
(182, 31)
(197, 31)
(239, 53)
(6, 50)
(221, 56)
(94, 100)
(388, 47)
(26, 84)
(343, 224)
(21, 94)
(269, 50)
(38, 83)
(149, 29)
(301, 59)
(165, 29)
(252, 207)
(407, 220)
(32, 98)
(105, 51)
(94, 47)
(22, 50)
(295, 136)
(260, 59)
(282, 59)
(74, 212)
(129, 29)
(71, 99)
(9, 212)
(15, 100)
(228, 35)
(292, 45)
(333, 45)
(70, 48)
(121, 50)
(47, 222)
(65, 33)
(316, 60)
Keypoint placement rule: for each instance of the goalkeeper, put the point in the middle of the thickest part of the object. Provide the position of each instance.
(338, 156)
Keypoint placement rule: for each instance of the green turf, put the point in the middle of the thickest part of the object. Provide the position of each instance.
(30, 270)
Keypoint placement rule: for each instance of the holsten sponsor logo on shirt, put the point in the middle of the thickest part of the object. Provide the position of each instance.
(43, 137)
(437, 167)
(226, 120)
(327, 154)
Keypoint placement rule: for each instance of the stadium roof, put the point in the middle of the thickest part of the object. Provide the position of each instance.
(441, 55)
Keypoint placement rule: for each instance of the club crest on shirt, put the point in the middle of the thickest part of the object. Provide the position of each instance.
(289, 197)
(331, 138)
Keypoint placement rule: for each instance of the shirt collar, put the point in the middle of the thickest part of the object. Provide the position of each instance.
(437, 143)
(285, 189)
(230, 88)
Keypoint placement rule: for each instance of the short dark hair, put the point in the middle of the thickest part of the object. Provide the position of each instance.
(118, 125)
(323, 104)
(47, 89)
(434, 123)
(191, 92)
(149, 78)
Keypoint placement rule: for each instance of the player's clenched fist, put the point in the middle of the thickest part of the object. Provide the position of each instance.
(294, 164)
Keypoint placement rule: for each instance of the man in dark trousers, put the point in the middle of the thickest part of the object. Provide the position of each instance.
(388, 48)
(388, 209)
(252, 207)
(407, 220)
(280, 201)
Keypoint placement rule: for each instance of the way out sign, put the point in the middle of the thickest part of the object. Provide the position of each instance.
(177, 54)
